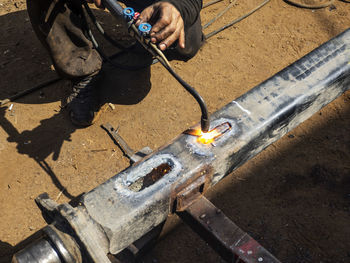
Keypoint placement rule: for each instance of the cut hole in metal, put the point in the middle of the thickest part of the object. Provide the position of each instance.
(152, 177)
(210, 136)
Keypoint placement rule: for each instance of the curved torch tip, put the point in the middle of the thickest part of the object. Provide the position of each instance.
(205, 125)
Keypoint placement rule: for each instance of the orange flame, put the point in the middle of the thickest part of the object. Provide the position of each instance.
(211, 136)
(208, 137)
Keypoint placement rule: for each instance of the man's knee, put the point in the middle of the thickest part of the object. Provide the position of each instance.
(59, 27)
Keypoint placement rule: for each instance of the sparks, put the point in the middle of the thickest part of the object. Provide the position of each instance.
(209, 137)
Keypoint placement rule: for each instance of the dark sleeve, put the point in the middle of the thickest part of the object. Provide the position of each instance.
(189, 9)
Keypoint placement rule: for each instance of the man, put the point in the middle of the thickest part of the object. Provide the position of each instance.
(59, 25)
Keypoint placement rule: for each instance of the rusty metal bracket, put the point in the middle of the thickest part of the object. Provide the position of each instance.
(132, 155)
(192, 190)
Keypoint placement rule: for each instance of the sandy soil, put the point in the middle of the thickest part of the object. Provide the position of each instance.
(293, 198)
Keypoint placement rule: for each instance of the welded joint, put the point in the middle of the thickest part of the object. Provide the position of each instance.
(206, 150)
(185, 195)
(131, 184)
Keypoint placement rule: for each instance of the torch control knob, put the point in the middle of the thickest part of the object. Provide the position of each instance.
(128, 13)
(144, 29)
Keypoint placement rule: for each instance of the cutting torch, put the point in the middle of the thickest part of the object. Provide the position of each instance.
(141, 34)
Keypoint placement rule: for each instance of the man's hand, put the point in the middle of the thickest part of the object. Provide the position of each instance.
(168, 25)
(97, 3)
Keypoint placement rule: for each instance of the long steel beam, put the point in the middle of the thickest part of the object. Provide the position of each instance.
(130, 204)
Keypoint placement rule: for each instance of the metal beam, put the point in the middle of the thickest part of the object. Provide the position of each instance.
(258, 118)
(133, 202)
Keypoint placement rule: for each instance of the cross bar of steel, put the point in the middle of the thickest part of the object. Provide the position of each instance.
(231, 242)
(130, 204)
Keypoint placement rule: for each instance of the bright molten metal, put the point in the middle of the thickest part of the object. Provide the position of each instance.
(208, 137)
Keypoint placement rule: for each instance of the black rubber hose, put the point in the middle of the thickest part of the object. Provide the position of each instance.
(101, 53)
(213, 33)
(291, 2)
(205, 125)
(220, 14)
(28, 91)
(114, 64)
(101, 30)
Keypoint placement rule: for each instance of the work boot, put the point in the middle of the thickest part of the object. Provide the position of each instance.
(83, 104)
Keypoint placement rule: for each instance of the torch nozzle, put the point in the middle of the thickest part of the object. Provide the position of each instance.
(207, 137)
(205, 124)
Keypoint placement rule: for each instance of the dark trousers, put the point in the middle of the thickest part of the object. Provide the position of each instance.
(60, 27)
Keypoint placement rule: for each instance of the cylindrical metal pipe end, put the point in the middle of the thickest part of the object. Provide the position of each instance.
(39, 251)
(54, 246)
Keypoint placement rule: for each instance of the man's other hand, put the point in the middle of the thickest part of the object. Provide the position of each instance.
(168, 25)
(97, 3)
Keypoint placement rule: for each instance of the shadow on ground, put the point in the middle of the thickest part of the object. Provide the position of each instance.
(25, 64)
(6, 251)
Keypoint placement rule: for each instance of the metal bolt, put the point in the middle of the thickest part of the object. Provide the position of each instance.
(260, 259)
(202, 216)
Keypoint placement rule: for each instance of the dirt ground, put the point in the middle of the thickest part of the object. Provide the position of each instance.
(293, 198)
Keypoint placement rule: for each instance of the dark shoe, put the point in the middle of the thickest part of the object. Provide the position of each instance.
(83, 103)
